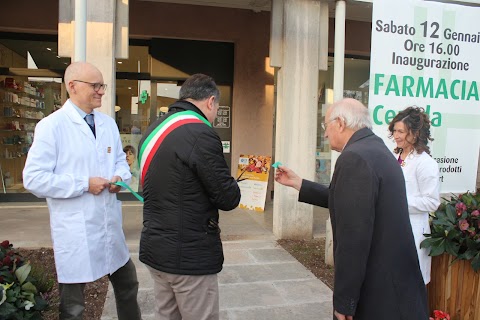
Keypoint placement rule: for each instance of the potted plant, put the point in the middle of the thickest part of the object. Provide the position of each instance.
(454, 244)
(456, 229)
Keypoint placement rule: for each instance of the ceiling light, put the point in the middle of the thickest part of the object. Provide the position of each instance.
(129, 88)
(119, 62)
(49, 49)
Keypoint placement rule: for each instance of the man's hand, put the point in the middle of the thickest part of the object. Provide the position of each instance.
(97, 185)
(287, 177)
(342, 316)
(114, 188)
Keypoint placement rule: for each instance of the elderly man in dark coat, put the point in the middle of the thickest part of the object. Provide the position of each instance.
(377, 274)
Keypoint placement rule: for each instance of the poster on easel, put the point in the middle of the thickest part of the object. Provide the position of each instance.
(130, 147)
(252, 177)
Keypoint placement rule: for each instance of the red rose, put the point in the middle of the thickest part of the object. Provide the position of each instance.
(5, 244)
(10, 253)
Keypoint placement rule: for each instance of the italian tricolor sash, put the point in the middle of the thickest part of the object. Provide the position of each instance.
(155, 138)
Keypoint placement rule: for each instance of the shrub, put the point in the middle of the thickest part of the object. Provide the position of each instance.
(19, 296)
(456, 229)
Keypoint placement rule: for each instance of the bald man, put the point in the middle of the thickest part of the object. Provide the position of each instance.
(377, 274)
(75, 157)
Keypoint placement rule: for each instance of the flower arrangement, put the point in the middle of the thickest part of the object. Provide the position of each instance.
(455, 229)
(19, 297)
(440, 315)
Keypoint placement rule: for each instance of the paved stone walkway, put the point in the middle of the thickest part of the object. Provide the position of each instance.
(260, 280)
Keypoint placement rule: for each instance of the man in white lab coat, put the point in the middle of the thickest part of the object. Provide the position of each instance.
(71, 163)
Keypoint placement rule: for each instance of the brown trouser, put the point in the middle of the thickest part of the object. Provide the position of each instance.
(182, 297)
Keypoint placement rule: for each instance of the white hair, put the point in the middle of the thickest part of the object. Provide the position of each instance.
(353, 112)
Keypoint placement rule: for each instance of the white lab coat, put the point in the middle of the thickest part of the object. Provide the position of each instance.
(87, 235)
(423, 196)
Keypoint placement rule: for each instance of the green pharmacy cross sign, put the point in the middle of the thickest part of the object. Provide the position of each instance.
(143, 96)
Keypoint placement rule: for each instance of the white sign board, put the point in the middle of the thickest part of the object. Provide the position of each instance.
(226, 146)
(427, 54)
(222, 120)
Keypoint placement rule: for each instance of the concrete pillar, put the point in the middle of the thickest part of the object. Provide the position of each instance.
(338, 80)
(80, 30)
(106, 39)
(296, 112)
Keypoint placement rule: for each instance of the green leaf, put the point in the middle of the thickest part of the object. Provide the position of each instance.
(474, 202)
(29, 296)
(40, 303)
(5, 274)
(442, 224)
(441, 215)
(428, 243)
(469, 254)
(452, 248)
(438, 249)
(451, 213)
(454, 234)
(29, 287)
(13, 293)
(6, 310)
(476, 262)
(467, 199)
(477, 197)
(22, 272)
(36, 316)
(471, 244)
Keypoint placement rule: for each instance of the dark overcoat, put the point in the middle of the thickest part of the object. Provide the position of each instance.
(377, 274)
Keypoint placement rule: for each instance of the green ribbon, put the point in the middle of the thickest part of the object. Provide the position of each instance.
(126, 186)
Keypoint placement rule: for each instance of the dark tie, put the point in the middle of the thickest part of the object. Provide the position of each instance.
(90, 122)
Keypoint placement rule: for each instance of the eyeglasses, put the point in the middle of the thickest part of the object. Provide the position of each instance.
(96, 86)
(325, 124)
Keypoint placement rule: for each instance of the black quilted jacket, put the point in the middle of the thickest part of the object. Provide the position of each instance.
(186, 184)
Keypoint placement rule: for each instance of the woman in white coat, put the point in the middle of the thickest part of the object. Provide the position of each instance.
(411, 131)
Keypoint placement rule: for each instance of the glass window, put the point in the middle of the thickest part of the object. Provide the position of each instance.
(26, 97)
(23, 102)
(132, 114)
(357, 73)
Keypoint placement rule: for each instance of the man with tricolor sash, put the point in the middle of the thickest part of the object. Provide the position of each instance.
(185, 181)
